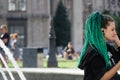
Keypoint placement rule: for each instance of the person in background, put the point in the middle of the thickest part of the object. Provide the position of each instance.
(5, 35)
(99, 59)
(14, 46)
(11, 40)
(5, 38)
(69, 52)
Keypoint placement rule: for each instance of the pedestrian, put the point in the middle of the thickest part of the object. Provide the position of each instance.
(14, 46)
(5, 35)
(11, 41)
(99, 59)
(5, 38)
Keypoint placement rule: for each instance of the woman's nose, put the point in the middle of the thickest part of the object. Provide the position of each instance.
(115, 33)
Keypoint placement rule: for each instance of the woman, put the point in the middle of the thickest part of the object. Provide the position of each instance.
(69, 51)
(14, 46)
(5, 38)
(100, 60)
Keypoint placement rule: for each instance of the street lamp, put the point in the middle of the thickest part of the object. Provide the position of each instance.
(52, 62)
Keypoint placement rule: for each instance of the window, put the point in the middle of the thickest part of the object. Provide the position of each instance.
(22, 5)
(17, 5)
(113, 2)
(118, 3)
(18, 26)
(20, 31)
(11, 5)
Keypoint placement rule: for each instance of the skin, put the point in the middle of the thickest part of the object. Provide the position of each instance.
(66, 54)
(110, 34)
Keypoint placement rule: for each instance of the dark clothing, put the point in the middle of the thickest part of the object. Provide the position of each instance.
(94, 65)
(6, 36)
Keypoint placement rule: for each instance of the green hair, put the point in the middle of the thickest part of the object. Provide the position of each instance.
(94, 37)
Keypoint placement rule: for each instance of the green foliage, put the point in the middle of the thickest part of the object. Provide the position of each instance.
(117, 22)
(106, 12)
(62, 25)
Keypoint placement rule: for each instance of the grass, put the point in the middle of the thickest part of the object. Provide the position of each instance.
(10, 65)
(62, 63)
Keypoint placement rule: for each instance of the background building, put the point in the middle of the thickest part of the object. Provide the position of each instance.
(31, 18)
(28, 18)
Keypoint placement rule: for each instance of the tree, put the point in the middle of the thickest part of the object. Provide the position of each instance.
(61, 25)
(117, 21)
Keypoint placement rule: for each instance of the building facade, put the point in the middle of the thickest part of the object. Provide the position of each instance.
(28, 18)
(31, 18)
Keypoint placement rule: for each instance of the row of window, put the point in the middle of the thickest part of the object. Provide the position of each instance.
(114, 2)
(19, 5)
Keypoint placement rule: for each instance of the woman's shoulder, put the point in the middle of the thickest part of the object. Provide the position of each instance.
(89, 55)
(90, 52)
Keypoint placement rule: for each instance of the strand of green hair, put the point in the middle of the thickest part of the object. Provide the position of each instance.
(94, 36)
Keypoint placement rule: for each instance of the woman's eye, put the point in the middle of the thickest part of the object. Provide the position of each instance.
(113, 29)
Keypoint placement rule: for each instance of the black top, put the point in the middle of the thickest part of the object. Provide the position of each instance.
(94, 65)
(6, 36)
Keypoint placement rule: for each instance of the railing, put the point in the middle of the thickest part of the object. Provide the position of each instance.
(3, 74)
(16, 67)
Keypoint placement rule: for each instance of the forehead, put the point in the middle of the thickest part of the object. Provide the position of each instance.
(1, 28)
(111, 25)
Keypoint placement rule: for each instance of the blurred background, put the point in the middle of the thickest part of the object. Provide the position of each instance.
(35, 21)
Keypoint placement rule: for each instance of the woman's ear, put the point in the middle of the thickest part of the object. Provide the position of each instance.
(102, 30)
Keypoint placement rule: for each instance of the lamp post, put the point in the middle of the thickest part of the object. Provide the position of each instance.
(52, 62)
